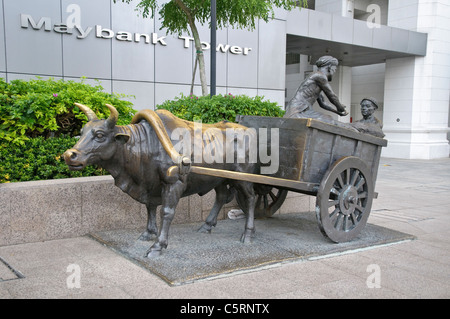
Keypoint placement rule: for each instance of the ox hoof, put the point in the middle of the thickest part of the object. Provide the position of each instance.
(205, 229)
(153, 253)
(247, 236)
(147, 236)
(155, 250)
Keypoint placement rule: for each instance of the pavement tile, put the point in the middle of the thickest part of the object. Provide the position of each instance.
(414, 189)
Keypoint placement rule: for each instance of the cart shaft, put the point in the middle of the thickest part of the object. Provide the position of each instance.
(259, 179)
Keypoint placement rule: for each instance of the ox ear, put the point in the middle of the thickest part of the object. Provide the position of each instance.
(122, 138)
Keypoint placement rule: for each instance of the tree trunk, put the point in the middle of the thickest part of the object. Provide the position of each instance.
(198, 46)
(201, 60)
(193, 76)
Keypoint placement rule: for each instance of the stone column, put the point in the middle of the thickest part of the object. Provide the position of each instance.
(417, 89)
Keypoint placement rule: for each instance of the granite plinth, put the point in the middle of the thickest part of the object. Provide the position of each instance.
(193, 256)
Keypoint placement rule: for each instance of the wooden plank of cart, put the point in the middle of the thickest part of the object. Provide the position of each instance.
(337, 165)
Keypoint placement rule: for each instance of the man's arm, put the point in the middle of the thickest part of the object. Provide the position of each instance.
(324, 104)
(328, 107)
(326, 88)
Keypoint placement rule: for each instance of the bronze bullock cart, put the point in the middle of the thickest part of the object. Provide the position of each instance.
(337, 165)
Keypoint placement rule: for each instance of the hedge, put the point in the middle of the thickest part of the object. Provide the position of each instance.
(39, 158)
(39, 122)
(46, 108)
(220, 107)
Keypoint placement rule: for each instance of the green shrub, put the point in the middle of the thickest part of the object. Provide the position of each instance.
(46, 108)
(220, 107)
(39, 158)
(38, 122)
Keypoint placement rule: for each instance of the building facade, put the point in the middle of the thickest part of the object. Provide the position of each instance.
(395, 51)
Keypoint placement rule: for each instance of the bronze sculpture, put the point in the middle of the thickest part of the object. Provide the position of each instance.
(369, 123)
(310, 91)
(145, 165)
(322, 157)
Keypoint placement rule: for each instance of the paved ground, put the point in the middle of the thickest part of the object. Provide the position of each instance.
(413, 198)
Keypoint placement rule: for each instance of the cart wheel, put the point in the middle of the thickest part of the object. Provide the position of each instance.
(344, 199)
(268, 200)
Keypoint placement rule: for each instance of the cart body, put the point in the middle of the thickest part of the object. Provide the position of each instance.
(308, 148)
(337, 165)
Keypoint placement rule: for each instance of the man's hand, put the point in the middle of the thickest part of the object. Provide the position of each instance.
(342, 112)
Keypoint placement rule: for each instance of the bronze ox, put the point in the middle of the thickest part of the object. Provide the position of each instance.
(143, 163)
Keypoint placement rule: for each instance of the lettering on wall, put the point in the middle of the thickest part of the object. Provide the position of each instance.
(72, 27)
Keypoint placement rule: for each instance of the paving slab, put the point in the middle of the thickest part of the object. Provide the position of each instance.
(193, 256)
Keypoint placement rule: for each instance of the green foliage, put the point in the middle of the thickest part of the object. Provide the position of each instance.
(38, 122)
(39, 158)
(46, 108)
(220, 107)
(241, 14)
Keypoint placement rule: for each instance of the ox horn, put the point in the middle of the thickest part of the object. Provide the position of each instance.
(113, 116)
(86, 110)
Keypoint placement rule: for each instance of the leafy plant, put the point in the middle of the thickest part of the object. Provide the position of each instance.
(46, 108)
(39, 158)
(220, 107)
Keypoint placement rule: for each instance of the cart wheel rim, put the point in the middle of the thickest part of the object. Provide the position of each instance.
(268, 200)
(344, 199)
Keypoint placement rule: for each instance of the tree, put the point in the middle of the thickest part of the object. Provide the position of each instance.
(180, 16)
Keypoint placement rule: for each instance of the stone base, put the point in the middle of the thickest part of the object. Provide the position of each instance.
(64, 208)
(192, 256)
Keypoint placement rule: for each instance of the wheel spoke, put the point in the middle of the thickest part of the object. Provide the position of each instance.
(344, 223)
(272, 195)
(339, 216)
(355, 176)
(334, 213)
(266, 201)
(360, 208)
(347, 176)
(333, 203)
(362, 195)
(334, 191)
(361, 182)
(341, 182)
(353, 218)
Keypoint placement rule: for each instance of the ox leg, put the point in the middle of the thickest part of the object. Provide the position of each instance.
(248, 191)
(222, 195)
(171, 195)
(152, 229)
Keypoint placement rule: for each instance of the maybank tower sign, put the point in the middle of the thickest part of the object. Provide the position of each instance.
(72, 27)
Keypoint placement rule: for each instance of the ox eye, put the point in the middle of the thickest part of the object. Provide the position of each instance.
(99, 135)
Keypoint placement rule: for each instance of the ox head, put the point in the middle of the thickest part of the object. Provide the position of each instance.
(98, 141)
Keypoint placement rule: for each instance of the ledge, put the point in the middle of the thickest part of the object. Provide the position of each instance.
(63, 208)
(349, 40)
